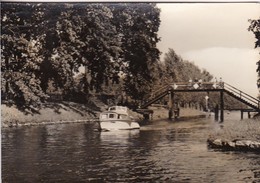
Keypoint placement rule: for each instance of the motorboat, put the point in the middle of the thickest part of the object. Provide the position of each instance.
(117, 118)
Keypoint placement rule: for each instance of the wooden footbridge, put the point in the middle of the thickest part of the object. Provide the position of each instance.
(221, 87)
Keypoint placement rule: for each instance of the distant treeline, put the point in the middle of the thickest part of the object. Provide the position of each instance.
(174, 69)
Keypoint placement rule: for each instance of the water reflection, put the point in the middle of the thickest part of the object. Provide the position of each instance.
(159, 152)
(120, 137)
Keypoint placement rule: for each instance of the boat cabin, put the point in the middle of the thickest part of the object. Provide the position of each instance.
(113, 116)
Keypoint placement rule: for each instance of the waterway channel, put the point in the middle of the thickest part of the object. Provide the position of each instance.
(162, 151)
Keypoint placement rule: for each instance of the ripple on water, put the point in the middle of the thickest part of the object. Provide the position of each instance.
(163, 152)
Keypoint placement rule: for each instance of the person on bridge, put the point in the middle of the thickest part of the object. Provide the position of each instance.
(221, 83)
(200, 83)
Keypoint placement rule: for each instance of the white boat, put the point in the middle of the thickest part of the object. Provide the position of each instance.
(117, 118)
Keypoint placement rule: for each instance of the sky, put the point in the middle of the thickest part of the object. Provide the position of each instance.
(214, 37)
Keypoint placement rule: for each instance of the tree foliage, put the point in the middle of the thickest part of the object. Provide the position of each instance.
(255, 28)
(138, 25)
(21, 54)
(50, 42)
(174, 69)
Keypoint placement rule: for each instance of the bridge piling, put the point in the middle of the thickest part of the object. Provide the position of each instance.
(171, 103)
(248, 113)
(216, 112)
(221, 106)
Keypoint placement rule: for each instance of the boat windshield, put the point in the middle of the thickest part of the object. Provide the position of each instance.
(112, 116)
(122, 116)
(117, 108)
(109, 116)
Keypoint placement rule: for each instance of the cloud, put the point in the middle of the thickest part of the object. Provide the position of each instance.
(185, 27)
(237, 66)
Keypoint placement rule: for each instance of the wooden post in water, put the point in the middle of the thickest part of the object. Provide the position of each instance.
(171, 104)
(221, 106)
(242, 113)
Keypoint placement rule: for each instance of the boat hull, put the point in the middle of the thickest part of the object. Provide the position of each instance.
(118, 125)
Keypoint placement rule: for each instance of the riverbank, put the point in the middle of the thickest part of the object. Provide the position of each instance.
(60, 113)
(242, 135)
(185, 113)
(51, 113)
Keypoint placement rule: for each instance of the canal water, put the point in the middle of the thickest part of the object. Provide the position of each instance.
(162, 151)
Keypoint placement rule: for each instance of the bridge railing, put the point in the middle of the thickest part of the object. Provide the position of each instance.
(196, 85)
(241, 94)
(183, 86)
(155, 94)
(158, 91)
(204, 86)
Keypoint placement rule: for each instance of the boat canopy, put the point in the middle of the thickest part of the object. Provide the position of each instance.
(119, 109)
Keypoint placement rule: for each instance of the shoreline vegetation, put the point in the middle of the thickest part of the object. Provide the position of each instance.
(243, 135)
(52, 113)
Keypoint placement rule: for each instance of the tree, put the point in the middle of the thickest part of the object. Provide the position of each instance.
(102, 45)
(172, 62)
(21, 48)
(86, 37)
(137, 25)
(255, 28)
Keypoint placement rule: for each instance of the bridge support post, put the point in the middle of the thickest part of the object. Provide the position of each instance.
(216, 112)
(248, 113)
(171, 103)
(221, 106)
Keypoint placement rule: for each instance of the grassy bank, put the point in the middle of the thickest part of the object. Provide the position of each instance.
(241, 129)
(241, 135)
(162, 113)
(48, 113)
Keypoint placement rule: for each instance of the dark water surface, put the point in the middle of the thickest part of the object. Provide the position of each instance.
(160, 152)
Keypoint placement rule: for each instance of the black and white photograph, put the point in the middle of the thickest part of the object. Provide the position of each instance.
(121, 91)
